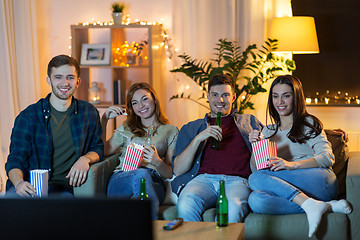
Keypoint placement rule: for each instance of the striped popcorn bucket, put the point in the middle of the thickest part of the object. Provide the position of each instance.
(263, 150)
(133, 157)
(39, 179)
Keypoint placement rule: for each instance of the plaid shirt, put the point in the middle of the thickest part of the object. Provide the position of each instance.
(31, 139)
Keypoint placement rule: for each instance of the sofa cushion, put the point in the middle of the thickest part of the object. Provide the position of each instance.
(341, 152)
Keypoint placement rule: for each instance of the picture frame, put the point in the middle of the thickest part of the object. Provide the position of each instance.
(95, 54)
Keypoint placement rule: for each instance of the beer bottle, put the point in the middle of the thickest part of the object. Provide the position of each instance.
(143, 195)
(222, 207)
(149, 141)
(215, 144)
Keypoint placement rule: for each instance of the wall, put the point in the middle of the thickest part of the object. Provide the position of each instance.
(54, 18)
(346, 118)
(60, 14)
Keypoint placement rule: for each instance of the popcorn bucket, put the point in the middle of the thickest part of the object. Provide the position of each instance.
(263, 150)
(39, 179)
(133, 157)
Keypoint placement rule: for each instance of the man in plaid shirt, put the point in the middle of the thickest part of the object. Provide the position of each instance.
(58, 133)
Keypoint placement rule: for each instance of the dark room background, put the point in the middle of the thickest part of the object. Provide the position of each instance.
(336, 67)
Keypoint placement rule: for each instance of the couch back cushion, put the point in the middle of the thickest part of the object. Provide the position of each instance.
(341, 152)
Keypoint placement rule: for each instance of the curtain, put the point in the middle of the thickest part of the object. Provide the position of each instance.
(198, 25)
(18, 66)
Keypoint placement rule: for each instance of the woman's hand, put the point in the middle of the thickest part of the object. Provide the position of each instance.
(151, 156)
(254, 136)
(277, 163)
(114, 111)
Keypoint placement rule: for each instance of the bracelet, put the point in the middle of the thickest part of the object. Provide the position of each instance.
(18, 184)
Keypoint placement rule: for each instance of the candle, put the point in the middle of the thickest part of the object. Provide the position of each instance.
(308, 100)
(316, 100)
(326, 100)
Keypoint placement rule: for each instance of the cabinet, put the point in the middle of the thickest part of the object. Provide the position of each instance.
(150, 69)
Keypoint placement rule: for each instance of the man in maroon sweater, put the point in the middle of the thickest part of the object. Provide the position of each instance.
(198, 168)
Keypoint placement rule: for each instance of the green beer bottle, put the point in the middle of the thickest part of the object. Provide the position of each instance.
(215, 144)
(143, 195)
(222, 207)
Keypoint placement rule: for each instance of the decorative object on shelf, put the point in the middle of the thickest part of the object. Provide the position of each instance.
(95, 54)
(117, 92)
(117, 12)
(128, 54)
(94, 93)
(253, 66)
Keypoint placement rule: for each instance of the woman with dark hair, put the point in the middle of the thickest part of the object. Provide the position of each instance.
(143, 111)
(300, 178)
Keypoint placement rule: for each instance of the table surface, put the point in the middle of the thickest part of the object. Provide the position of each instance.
(199, 231)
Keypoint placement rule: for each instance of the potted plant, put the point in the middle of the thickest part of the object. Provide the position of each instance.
(117, 9)
(250, 69)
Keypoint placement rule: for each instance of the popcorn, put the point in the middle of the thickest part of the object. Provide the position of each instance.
(39, 179)
(133, 157)
(263, 150)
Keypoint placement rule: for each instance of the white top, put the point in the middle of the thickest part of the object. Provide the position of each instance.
(318, 147)
(164, 138)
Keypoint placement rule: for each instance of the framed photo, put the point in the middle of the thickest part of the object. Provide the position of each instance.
(95, 54)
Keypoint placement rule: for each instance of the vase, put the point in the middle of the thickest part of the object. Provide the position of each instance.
(117, 17)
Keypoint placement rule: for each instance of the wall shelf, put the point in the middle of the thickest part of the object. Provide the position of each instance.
(150, 70)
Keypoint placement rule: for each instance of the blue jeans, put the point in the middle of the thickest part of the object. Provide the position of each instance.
(273, 192)
(202, 192)
(127, 185)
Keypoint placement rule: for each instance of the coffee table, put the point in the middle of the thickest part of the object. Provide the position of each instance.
(199, 231)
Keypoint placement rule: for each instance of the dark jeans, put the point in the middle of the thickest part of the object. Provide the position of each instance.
(127, 185)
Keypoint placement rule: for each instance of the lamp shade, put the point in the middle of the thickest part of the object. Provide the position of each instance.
(295, 34)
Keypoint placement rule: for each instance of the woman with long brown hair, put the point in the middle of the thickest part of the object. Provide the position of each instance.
(300, 178)
(143, 111)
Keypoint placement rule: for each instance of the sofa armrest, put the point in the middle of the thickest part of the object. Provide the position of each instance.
(98, 178)
(353, 192)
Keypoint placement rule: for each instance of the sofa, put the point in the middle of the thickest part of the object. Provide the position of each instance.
(260, 226)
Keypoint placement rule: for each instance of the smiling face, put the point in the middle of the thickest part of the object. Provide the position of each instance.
(143, 104)
(283, 98)
(63, 81)
(220, 99)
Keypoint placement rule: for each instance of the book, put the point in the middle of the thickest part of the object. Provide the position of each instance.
(117, 92)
